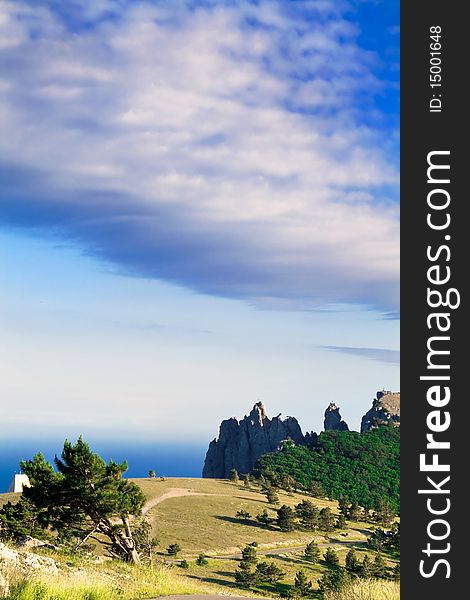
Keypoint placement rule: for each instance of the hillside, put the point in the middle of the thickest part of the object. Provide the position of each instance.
(199, 516)
(363, 467)
(204, 518)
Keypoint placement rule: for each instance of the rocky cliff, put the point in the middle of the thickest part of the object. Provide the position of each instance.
(385, 411)
(333, 420)
(241, 443)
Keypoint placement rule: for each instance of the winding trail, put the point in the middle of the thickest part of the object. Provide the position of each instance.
(172, 493)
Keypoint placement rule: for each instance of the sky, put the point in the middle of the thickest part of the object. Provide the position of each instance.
(198, 210)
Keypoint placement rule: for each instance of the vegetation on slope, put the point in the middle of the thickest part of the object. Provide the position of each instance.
(362, 467)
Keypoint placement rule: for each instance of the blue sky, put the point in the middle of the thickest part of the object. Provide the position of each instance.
(198, 209)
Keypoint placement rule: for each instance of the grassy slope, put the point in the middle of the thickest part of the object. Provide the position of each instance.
(207, 523)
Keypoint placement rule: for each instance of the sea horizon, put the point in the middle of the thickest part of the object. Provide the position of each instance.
(166, 459)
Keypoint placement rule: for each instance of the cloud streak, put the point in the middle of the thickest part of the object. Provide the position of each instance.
(215, 145)
(379, 354)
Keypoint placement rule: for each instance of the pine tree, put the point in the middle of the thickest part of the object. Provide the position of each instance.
(271, 496)
(355, 512)
(173, 549)
(302, 586)
(244, 515)
(246, 481)
(145, 543)
(379, 568)
(233, 476)
(152, 474)
(244, 576)
(312, 552)
(85, 498)
(249, 554)
(383, 513)
(308, 514)
(288, 483)
(331, 557)
(201, 560)
(352, 562)
(333, 580)
(264, 518)
(366, 567)
(396, 572)
(286, 518)
(343, 505)
(340, 522)
(269, 572)
(316, 490)
(326, 520)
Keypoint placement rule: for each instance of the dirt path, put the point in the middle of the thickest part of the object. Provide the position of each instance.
(289, 549)
(172, 493)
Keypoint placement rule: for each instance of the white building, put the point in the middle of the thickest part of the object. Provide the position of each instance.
(18, 482)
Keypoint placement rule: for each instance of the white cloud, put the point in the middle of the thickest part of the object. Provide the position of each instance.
(175, 142)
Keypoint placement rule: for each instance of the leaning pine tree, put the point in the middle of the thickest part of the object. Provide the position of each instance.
(85, 497)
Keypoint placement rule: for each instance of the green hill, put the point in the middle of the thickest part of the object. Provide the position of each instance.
(363, 467)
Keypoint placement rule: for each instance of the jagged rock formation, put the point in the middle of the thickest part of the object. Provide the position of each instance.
(333, 420)
(385, 410)
(241, 443)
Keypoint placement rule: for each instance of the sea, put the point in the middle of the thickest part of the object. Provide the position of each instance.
(166, 459)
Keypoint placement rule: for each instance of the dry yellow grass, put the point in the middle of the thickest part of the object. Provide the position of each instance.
(207, 522)
(369, 589)
(101, 582)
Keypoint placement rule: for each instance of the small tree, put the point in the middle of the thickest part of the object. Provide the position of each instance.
(379, 568)
(288, 483)
(246, 481)
(308, 514)
(396, 572)
(152, 474)
(234, 476)
(312, 552)
(244, 575)
(383, 513)
(333, 580)
(316, 490)
(355, 512)
(343, 505)
(145, 542)
(366, 568)
(331, 557)
(184, 564)
(286, 518)
(244, 515)
(326, 520)
(340, 522)
(272, 496)
(173, 549)
(264, 518)
(249, 554)
(269, 572)
(201, 560)
(352, 562)
(302, 586)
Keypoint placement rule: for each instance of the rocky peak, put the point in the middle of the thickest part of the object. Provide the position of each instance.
(241, 443)
(258, 413)
(385, 411)
(333, 420)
